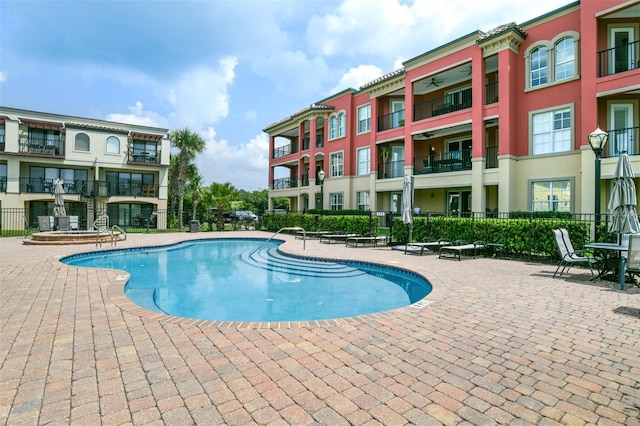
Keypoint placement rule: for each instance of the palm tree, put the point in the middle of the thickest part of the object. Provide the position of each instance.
(195, 189)
(188, 144)
(222, 194)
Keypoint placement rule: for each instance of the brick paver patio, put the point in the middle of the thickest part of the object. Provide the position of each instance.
(500, 343)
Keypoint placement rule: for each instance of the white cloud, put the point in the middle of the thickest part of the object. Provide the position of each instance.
(200, 96)
(137, 115)
(245, 165)
(356, 77)
(293, 72)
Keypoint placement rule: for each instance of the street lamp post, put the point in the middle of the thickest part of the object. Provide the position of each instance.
(597, 140)
(321, 176)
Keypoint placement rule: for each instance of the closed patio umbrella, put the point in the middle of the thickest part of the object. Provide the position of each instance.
(622, 202)
(407, 203)
(58, 204)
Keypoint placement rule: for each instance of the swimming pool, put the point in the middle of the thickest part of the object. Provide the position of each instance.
(251, 280)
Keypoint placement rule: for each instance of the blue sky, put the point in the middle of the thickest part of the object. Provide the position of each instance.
(225, 69)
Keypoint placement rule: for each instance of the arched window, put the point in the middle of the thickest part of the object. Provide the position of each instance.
(341, 124)
(113, 145)
(333, 127)
(565, 59)
(539, 72)
(82, 142)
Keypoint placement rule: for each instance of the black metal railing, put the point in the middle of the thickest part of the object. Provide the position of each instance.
(1, 143)
(285, 183)
(442, 105)
(619, 59)
(305, 143)
(41, 145)
(3, 184)
(491, 156)
(441, 162)
(31, 185)
(143, 157)
(283, 151)
(391, 121)
(391, 169)
(623, 140)
(491, 93)
(304, 179)
(319, 140)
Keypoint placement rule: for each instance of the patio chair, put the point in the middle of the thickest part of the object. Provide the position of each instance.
(569, 256)
(633, 255)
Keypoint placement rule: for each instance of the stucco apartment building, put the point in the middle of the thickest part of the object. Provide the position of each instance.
(493, 121)
(106, 167)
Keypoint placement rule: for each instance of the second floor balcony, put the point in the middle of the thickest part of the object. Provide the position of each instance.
(41, 146)
(391, 121)
(619, 59)
(283, 151)
(442, 105)
(623, 140)
(285, 183)
(143, 157)
(85, 188)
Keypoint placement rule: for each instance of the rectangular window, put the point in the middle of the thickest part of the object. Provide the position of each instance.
(551, 196)
(363, 200)
(551, 131)
(364, 161)
(364, 119)
(335, 201)
(337, 164)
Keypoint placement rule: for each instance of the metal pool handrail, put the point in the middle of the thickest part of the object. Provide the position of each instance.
(293, 228)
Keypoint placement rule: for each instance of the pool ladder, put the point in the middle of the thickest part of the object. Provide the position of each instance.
(293, 228)
(101, 225)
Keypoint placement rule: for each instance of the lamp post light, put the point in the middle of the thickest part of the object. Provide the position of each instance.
(321, 176)
(597, 139)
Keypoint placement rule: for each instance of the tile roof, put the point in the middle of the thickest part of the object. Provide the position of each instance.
(501, 29)
(385, 77)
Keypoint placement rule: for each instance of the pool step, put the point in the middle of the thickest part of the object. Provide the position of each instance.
(272, 260)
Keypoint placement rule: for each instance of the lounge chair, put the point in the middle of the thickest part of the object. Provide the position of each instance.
(45, 223)
(428, 247)
(569, 256)
(633, 256)
(364, 241)
(336, 238)
(461, 247)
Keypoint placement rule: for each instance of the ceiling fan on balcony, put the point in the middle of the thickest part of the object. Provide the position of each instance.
(434, 82)
(467, 70)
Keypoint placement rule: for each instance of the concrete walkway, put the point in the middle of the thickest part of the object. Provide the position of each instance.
(500, 342)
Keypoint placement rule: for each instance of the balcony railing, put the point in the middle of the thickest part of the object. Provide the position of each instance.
(491, 157)
(441, 162)
(304, 179)
(443, 105)
(144, 157)
(623, 140)
(391, 121)
(42, 146)
(391, 169)
(319, 141)
(1, 143)
(305, 143)
(33, 185)
(285, 183)
(491, 93)
(619, 59)
(3, 184)
(283, 151)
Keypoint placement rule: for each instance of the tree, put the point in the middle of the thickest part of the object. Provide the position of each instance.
(189, 144)
(194, 188)
(222, 194)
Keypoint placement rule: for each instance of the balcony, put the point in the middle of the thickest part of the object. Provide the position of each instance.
(1, 143)
(442, 162)
(304, 179)
(285, 183)
(443, 105)
(3, 184)
(41, 146)
(623, 140)
(491, 157)
(391, 121)
(283, 151)
(391, 169)
(491, 93)
(31, 185)
(619, 59)
(143, 157)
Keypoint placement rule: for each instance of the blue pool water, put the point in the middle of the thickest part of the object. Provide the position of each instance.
(250, 280)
